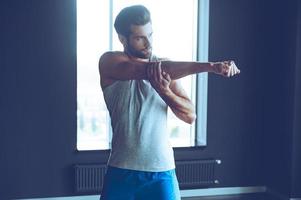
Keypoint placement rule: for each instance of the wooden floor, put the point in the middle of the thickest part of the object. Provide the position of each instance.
(261, 196)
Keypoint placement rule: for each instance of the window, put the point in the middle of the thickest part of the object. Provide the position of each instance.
(175, 37)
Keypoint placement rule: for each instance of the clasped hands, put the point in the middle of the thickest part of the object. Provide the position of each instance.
(159, 79)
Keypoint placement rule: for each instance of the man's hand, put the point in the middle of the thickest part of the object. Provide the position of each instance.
(226, 68)
(171, 92)
(159, 79)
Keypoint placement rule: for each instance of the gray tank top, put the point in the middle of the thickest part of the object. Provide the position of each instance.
(138, 118)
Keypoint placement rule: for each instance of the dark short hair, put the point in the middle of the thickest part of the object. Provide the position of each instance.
(132, 15)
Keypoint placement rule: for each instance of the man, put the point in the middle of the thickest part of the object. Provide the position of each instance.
(138, 87)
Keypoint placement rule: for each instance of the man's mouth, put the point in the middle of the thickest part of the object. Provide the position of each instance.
(147, 49)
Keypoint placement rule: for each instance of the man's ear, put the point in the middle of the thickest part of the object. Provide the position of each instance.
(123, 40)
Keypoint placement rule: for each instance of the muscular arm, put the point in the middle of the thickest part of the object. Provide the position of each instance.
(172, 93)
(118, 66)
(179, 102)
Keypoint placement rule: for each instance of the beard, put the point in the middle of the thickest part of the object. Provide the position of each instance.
(144, 53)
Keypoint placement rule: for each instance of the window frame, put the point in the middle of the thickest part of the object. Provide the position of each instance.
(201, 93)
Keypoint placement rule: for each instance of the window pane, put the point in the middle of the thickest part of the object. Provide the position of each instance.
(174, 38)
(92, 41)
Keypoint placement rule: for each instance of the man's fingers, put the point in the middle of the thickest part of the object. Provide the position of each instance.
(152, 71)
(148, 71)
(228, 62)
(156, 75)
(232, 70)
(166, 76)
(236, 70)
(159, 72)
(228, 69)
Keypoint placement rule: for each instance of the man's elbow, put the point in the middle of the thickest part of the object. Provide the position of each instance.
(190, 118)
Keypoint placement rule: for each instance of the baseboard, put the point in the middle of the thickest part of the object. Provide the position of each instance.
(184, 193)
(199, 193)
(222, 191)
(278, 195)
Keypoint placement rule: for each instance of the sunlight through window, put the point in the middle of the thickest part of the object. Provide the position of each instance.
(175, 38)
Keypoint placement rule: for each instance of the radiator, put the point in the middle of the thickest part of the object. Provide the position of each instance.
(199, 173)
(89, 177)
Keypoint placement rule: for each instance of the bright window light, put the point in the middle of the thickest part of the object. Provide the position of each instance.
(175, 37)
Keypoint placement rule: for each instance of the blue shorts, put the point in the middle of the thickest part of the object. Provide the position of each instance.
(125, 184)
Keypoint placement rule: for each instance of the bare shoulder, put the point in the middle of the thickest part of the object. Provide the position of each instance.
(110, 58)
(107, 66)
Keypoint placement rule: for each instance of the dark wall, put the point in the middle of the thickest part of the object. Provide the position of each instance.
(38, 99)
(235, 105)
(261, 36)
(296, 156)
(38, 96)
(278, 67)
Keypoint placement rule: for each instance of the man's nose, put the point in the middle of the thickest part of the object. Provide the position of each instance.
(148, 42)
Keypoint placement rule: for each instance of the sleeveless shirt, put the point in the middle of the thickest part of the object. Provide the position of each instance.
(139, 122)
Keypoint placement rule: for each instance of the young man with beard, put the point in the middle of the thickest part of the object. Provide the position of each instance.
(138, 87)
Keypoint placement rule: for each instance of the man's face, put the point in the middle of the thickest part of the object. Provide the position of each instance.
(139, 42)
